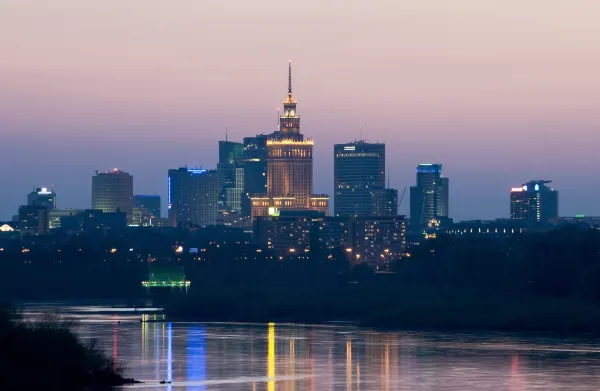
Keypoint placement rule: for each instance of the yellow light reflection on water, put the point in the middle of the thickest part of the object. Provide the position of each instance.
(271, 358)
(348, 365)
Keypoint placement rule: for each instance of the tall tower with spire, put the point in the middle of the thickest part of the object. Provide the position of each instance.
(289, 166)
(289, 122)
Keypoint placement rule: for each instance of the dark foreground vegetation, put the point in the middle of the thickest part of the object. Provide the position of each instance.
(535, 282)
(47, 355)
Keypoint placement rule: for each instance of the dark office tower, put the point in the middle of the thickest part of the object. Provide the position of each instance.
(230, 154)
(429, 199)
(42, 197)
(231, 175)
(193, 196)
(255, 164)
(534, 201)
(112, 192)
(384, 202)
(33, 219)
(149, 202)
(359, 170)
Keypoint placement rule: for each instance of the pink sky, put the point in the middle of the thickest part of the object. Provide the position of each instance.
(500, 92)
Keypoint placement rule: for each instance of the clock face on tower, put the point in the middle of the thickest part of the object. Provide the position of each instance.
(292, 113)
(286, 113)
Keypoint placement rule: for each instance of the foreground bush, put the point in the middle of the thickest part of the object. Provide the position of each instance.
(47, 355)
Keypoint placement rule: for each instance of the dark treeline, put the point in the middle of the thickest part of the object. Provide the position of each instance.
(544, 282)
(536, 281)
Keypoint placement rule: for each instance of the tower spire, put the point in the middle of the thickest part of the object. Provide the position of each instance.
(290, 78)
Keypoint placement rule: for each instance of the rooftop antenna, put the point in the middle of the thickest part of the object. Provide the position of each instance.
(388, 185)
(278, 119)
(226, 132)
(360, 137)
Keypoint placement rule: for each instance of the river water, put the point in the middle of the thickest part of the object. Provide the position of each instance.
(290, 357)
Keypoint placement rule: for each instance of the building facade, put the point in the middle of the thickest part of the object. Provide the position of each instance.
(231, 175)
(193, 196)
(112, 192)
(33, 219)
(429, 199)
(55, 216)
(42, 197)
(534, 201)
(359, 170)
(289, 167)
(384, 202)
(377, 240)
(255, 165)
(149, 202)
(373, 240)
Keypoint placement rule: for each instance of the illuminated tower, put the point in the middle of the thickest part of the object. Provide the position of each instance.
(429, 199)
(113, 191)
(289, 166)
(289, 123)
(534, 201)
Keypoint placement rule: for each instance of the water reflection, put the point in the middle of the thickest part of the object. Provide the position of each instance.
(280, 357)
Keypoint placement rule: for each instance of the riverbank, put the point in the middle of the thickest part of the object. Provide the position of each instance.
(416, 309)
(46, 354)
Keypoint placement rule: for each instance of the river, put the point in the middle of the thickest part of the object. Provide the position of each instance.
(291, 357)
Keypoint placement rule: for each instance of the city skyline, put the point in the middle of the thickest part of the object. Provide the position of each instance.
(495, 109)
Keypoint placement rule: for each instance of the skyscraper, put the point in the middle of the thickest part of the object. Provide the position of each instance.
(255, 164)
(534, 201)
(193, 196)
(429, 199)
(231, 175)
(289, 166)
(42, 197)
(359, 170)
(113, 191)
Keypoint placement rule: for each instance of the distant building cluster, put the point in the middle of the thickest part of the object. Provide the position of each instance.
(264, 185)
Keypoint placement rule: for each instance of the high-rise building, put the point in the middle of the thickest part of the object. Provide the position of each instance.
(113, 191)
(193, 196)
(289, 167)
(42, 197)
(255, 165)
(534, 201)
(149, 202)
(359, 169)
(429, 199)
(230, 156)
(33, 219)
(231, 175)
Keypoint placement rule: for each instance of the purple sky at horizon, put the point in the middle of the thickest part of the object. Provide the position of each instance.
(499, 91)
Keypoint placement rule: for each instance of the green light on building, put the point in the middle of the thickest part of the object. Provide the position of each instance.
(166, 277)
(579, 216)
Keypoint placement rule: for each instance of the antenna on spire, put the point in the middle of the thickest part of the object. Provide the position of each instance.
(360, 135)
(290, 78)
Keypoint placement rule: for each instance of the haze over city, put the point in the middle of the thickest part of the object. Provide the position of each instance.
(151, 85)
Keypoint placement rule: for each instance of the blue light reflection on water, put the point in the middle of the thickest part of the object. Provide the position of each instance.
(196, 356)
